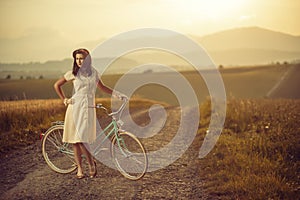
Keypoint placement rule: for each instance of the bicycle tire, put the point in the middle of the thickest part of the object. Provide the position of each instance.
(129, 156)
(58, 155)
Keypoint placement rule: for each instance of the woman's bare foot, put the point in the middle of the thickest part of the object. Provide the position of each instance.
(79, 174)
(93, 170)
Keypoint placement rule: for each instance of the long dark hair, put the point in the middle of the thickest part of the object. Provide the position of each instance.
(86, 65)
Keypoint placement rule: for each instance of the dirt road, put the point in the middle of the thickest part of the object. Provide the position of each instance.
(288, 85)
(25, 175)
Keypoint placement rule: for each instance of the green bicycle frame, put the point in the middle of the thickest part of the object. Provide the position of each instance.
(113, 129)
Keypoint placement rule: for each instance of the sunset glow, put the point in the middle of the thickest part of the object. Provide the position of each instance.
(65, 24)
(215, 9)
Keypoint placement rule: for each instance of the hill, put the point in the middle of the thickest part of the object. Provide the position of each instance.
(250, 38)
(239, 46)
(55, 68)
(252, 45)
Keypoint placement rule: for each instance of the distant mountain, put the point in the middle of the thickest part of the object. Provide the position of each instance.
(250, 38)
(55, 69)
(38, 45)
(252, 45)
(240, 46)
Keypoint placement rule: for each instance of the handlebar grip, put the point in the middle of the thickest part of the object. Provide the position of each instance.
(98, 105)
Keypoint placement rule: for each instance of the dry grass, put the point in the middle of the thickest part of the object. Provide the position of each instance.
(257, 155)
(21, 122)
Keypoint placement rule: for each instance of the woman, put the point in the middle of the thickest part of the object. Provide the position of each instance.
(80, 118)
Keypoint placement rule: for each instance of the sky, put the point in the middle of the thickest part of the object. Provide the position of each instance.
(65, 24)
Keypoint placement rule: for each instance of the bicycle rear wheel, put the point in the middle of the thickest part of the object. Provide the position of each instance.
(58, 155)
(129, 156)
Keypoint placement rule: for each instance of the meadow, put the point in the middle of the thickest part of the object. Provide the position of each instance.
(256, 156)
(243, 82)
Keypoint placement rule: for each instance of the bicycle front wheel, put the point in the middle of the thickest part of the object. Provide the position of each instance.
(58, 155)
(129, 155)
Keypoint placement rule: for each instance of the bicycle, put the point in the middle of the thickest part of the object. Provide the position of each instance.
(126, 149)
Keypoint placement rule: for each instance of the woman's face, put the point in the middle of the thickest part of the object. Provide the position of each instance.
(79, 59)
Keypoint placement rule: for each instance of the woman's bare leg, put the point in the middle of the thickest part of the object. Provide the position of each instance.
(89, 158)
(78, 158)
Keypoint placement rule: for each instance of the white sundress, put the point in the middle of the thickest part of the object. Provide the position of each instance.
(80, 118)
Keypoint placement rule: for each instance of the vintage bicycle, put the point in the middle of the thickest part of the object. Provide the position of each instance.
(127, 152)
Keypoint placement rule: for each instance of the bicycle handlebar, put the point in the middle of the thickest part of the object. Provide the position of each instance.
(119, 111)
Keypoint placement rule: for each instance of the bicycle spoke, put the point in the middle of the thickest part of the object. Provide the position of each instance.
(58, 155)
(52, 140)
(135, 159)
(129, 156)
(60, 136)
(57, 140)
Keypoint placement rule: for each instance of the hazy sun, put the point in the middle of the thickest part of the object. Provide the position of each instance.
(220, 8)
(214, 9)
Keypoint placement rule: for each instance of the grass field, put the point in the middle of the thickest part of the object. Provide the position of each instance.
(245, 82)
(256, 156)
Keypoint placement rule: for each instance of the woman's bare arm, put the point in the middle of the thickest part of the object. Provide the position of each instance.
(114, 93)
(58, 89)
(104, 88)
